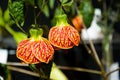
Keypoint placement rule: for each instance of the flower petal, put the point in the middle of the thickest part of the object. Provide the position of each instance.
(73, 35)
(58, 38)
(43, 50)
(24, 52)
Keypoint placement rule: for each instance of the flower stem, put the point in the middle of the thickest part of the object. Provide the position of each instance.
(80, 69)
(96, 56)
(85, 45)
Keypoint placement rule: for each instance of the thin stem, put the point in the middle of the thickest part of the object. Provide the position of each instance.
(96, 56)
(23, 71)
(17, 24)
(93, 50)
(105, 13)
(85, 45)
(36, 15)
(35, 20)
(16, 64)
(76, 7)
(80, 69)
(26, 72)
(60, 67)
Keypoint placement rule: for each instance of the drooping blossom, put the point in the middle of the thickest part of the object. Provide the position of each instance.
(35, 49)
(78, 22)
(63, 35)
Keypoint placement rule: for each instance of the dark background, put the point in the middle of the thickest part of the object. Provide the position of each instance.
(75, 57)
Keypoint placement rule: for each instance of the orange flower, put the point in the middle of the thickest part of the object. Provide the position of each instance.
(78, 22)
(25, 52)
(63, 35)
(35, 50)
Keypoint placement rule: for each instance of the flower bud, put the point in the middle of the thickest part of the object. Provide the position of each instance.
(78, 22)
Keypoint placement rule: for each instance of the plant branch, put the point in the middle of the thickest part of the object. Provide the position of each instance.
(93, 50)
(85, 45)
(80, 69)
(26, 72)
(17, 23)
(16, 64)
(23, 71)
(95, 55)
(60, 67)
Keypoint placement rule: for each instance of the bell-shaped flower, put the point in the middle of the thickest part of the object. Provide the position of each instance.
(63, 35)
(35, 49)
(78, 22)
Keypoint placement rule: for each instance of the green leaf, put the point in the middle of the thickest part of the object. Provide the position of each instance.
(51, 3)
(56, 72)
(44, 7)
(17, 12)
(67, 6)
(2, 23)
(19, 36)
(87, 10)
(46, 10)
(41, 3)
(59, 11)
(63, 1)
(6, 16)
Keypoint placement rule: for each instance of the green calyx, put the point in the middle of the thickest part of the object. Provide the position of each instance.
(61, 19)
(36, 33)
